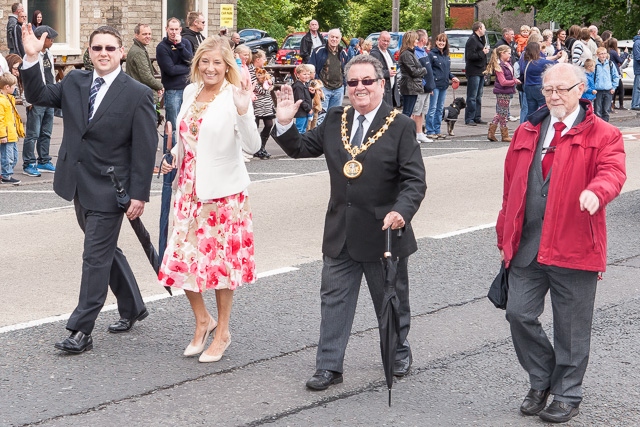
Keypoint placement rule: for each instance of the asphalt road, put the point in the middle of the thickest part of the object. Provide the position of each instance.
(465, 371)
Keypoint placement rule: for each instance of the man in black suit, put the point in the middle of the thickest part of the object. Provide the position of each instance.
(109, 120)
(382, 54)
(377, 181)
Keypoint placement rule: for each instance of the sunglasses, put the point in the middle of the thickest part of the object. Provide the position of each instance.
(366, 82)
(107, 48)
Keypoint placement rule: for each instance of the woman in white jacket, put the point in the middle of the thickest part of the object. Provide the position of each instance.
(211, 245)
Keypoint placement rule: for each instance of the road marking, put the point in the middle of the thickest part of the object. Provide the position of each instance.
(464, 231)
(289, 159)
(112, 307)
(27, 191)
(292, 176)
(36, 211)
(272, 173)
(449, 148)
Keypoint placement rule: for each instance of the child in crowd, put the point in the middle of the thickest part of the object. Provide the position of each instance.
(312, 76)
(244, 53)
(504, 88)
(521, 39)
(606, 79)
(317, 95)
(10, 128)
(301, 91)
(590, 90)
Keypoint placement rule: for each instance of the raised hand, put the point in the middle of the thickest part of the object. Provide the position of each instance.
(242, 97)
(32, 45)
(286, 107)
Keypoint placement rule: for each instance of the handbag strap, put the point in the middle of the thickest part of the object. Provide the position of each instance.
(525, 72)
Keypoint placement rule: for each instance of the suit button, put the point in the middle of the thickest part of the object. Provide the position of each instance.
(348, 205)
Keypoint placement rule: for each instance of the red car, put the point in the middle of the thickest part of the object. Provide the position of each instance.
(289, 52)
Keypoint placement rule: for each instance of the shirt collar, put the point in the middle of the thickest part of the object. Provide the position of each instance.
(568, 121)
(369, 116)
(109, 78)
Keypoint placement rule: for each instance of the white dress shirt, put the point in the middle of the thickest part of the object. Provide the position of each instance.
(568, 122)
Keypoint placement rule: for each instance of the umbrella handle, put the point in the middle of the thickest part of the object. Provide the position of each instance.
(387, 253)
(121, 195)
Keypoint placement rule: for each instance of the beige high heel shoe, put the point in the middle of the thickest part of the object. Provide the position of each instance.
(193, 350)
(205, 358)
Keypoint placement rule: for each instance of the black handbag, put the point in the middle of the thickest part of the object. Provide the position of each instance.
(499, 289)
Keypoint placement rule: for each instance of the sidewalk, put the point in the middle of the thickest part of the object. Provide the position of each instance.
(461, 131)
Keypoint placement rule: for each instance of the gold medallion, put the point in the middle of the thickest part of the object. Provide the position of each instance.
(352, 169)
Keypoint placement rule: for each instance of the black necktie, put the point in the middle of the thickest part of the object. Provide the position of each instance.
(95, 87)
(356, 141)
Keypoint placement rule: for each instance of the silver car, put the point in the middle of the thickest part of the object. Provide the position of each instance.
(458, 40)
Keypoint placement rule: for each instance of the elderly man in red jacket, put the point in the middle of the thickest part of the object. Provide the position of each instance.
(564, 166)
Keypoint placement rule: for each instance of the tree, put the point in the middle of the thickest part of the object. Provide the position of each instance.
(616, 15)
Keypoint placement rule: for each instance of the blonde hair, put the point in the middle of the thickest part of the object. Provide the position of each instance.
(302, 68)
(232, 75)
(589, 63)
(534, 37)
(601, 49)
(8, 79)
(367, 45)
(244, 48)
(525, 28)
(494, 62)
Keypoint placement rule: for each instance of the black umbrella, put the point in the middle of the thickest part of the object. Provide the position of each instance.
(138, 227)
(388, 322)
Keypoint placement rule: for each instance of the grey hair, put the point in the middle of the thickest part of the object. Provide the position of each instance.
(577, 71)
(365, 59)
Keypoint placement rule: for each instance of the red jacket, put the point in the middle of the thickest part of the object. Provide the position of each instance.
(591, 157)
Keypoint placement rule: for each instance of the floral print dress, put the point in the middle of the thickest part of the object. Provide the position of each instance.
(211, 245)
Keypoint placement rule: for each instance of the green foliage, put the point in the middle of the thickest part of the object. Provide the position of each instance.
(607, 14)
(273, 16)
(376, 16)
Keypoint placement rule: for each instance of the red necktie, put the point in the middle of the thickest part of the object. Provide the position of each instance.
(547, 160)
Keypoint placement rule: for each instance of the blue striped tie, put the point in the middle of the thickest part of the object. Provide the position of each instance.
(95, 87)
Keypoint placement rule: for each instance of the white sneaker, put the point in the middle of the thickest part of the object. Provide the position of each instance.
(514, 118)
(421, 137)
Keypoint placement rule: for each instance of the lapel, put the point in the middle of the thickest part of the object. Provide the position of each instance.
(85, 88)
(112, 94)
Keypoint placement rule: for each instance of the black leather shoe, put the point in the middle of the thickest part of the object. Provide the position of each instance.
(322, 379)
(481, 122)
(401, 367)
(559, 412)
(124, 325)
(77, 343)
(534, 402)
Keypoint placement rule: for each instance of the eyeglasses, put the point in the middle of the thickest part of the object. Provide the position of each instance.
(547, 91)
(107, 48)
(366, 82)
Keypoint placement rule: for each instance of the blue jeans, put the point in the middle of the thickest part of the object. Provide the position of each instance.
(602, 104)
(301, 124)
(408, 102)
(635, 97)
(332, 98)
(172, 104)
(524, 112)
(8, 158)
(434, 115)
(535, 99)
(475, 88)
(37, 136)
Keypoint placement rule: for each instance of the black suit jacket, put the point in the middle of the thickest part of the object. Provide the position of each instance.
(393, 179)
(391, 94)
(122, 133)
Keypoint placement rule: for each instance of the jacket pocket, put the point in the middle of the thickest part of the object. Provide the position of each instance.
(381, 211)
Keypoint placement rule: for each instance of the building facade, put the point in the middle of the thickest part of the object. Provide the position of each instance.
(76, 19)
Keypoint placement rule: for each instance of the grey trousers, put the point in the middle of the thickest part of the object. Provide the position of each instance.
(341, 278)
(561, 366)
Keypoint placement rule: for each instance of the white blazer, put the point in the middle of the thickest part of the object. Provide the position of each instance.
(220, 170)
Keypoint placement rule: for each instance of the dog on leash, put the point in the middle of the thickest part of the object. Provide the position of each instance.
(450, 114)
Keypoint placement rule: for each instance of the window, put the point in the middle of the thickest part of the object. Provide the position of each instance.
(64, 17)
(53, 15)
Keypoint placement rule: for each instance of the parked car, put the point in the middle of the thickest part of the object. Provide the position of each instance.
(259, 39)
(289, 52)
(394, 46)
(458, 40)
